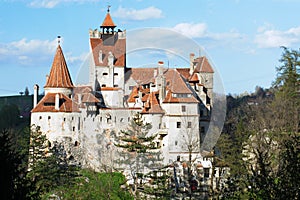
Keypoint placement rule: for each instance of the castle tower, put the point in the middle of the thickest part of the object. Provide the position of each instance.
(59, 79)
(109, 61)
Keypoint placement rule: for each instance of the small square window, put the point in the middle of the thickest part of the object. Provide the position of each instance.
(189, 125)
(178, 124)
(49, 117)
(40, 117)
(183, 108)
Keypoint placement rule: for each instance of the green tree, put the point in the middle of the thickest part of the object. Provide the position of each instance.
(140, 153)
(48, 168)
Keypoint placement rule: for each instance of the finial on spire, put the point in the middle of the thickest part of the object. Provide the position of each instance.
(58, 39)
(108, 7)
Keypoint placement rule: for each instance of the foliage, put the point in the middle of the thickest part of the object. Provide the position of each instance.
(48, 167)
(92, 185)
(269, 147)
(14, 141)
(140, 154)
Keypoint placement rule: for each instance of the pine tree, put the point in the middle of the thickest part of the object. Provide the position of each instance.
(48, 168)
(140, 153)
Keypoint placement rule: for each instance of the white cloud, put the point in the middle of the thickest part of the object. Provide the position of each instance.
(53, 3)
(200, 30)
(269, 37)
(27, 52)
(133, 14)
(191, 29)
(34, 52)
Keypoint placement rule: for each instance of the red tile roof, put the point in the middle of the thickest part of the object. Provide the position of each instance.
(170, 99)
(110, 88)
(133, 95)
(153, 106)
(203, 65)
(108, 22)
(185, 72)
(47, 104)
(82, 89)
(194, 78)
(86, 98)
(174, 80)
(118, 50)
(59, 75)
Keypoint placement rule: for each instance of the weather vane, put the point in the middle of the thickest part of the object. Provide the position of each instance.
(108, 7)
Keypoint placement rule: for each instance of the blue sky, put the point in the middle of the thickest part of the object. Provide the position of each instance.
(241, 37)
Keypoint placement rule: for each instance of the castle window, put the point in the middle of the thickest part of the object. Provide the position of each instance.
(116, 85)
(176, 142)
(72, 118)
(64, 119)
(40, 117)
(103, 85)
(128, 118)
(105, 74)
(76, 143)
(206, 172)
(115, 74)
(189, 125)
(121, 120)
(100, 119)
(178, 125)
(183, 108)
(49, 117)
(73, 128)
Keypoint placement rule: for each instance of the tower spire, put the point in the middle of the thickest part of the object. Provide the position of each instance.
(58, 39)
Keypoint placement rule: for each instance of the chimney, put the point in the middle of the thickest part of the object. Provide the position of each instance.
(154, 73)
(35, 95)
(57, 102)
(160, 67)
(79, 98)
(192, 58)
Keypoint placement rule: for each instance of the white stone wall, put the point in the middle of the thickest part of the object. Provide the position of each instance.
(58, 125)
(113, 98)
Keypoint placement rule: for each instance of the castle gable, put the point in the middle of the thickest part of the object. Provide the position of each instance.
(47, 104)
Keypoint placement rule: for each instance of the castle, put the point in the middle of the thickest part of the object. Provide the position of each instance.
(176, 101)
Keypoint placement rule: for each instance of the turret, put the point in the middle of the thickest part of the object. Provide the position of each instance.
(59, 79)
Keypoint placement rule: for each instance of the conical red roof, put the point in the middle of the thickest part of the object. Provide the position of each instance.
(108, 22)
(59, 75)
